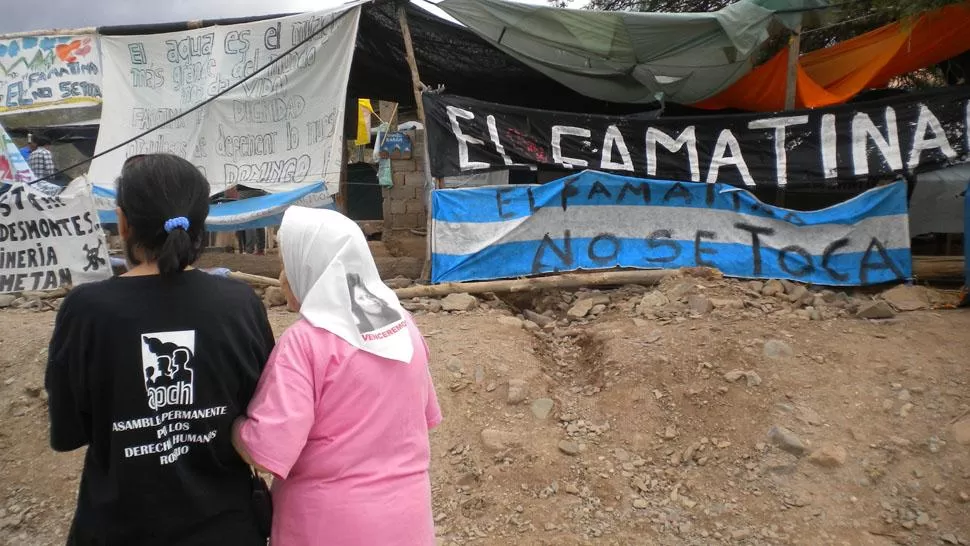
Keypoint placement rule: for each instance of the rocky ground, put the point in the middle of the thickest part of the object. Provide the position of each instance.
(702, 411)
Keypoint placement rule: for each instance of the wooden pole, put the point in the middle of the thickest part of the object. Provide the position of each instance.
(254, 279)
(567, 280)
(50, 32)
(791, 84)
(791, 87)
(418, 87)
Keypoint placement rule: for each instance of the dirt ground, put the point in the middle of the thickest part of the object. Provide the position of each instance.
(638, 416)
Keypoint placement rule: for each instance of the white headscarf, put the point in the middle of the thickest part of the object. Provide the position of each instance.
(333, 275)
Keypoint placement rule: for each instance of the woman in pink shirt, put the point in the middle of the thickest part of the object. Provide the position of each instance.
(342, 411)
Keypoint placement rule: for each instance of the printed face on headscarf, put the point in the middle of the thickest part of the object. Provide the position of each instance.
(367, 302)
(332, 274)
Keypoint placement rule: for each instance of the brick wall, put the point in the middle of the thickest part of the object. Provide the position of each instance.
(404, 203)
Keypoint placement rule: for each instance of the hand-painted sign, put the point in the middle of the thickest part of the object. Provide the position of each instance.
(279, 130)
(595, 220)
(396, 146)
(873, 140)
(46, 72)
(49, 242)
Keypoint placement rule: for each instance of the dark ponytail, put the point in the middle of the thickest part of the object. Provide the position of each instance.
(165, 200)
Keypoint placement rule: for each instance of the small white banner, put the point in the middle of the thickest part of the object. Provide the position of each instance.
(47, 242)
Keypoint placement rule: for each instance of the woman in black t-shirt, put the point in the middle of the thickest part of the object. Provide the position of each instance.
(150, 369)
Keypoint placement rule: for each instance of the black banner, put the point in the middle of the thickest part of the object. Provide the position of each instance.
(872, 140)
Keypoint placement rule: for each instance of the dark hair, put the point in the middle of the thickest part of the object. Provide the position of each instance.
(156, 188)
(40, 140)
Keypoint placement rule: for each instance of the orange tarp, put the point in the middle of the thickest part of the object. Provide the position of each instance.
(836, 74)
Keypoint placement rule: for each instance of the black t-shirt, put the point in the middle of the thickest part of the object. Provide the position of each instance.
(149, 373)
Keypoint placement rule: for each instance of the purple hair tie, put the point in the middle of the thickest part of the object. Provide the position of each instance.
(180, 222)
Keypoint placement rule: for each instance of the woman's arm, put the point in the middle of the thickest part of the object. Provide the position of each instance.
(282, 412)
(64, 381)
(241, 447)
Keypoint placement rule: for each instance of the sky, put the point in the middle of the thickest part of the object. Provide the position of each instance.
(26, 15)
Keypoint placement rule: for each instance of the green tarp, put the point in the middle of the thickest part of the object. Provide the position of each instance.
(632, 57)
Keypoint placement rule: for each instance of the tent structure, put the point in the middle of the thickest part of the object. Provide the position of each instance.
(634, 57)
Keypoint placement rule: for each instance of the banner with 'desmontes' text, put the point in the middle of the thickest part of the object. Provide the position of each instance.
(46, 72)
(872, 140)
(49, 242)
(279, 130)
(596, 220)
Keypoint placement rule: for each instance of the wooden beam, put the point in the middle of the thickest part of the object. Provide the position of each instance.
(791, 87)
(566, 280)
(791, 84)
(418, 87)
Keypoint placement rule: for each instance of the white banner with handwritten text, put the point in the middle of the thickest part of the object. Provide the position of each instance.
(280, 130)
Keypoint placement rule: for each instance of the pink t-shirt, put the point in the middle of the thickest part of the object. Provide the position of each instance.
(346, 434)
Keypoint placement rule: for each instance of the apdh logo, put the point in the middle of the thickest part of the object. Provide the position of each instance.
(167, 359)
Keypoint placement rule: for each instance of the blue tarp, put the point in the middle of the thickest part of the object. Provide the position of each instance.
(252, 213)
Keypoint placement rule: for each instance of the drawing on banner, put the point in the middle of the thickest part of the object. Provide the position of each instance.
(48, 242)
(280, 130)
(167, 368)
(49, 72)
(371, 313)
(846, 143)
(396, 145)
(599, 221)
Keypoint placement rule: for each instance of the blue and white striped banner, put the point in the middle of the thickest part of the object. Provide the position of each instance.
(595, 220)
(255, 212)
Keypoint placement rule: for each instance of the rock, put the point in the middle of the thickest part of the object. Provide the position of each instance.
(542, 320)
(569, 447)
(950, 538)
(6, 300)
(907, 298)
(786, 440)
(518, 391)
(454, 365)
(542, 407)
(778, 350)
(798, 292)
(752, 378)
(727, 303)
(699, 305)
(511, 321)
(773, 288)
(597, 309)
(653, 300)
(580, 309)
(829, 456)
(497, 440)
(434, 306)
(756, 286)
(274, 297)
(680, 290)
(640, 503)
(398, 282)
(808, 416)
(875, 310)
(961, 431)
(459, 302)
